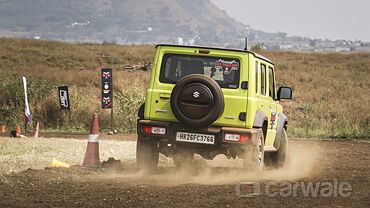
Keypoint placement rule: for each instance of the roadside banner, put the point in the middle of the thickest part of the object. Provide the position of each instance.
(27, 114)
(107, 91)
(64, 98)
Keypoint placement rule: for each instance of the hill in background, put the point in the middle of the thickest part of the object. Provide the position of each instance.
(127, 22)
(139, 22)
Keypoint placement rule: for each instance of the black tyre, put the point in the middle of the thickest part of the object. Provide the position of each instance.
(183, 158)
(279, 158)
(253, 157)
(147, 154)
(197, 100)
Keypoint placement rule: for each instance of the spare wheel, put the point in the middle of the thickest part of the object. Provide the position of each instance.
(197, 101)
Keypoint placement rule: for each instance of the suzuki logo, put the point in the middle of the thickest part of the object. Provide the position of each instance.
(196, 94)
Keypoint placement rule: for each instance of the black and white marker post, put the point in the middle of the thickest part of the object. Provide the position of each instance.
(63, 98)
(64, 103)
(107, 91)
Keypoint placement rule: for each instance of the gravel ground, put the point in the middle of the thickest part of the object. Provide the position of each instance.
(27, 180)
(18, 154)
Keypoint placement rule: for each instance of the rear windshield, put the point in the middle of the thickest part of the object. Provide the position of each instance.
(226, 71)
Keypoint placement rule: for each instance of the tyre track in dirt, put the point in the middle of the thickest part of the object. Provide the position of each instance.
(209, 184)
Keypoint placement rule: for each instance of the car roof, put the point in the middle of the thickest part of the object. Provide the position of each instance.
(216, 48)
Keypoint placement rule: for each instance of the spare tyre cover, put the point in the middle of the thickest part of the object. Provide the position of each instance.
(197, 101)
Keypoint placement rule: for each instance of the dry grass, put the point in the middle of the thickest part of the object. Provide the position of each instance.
(331, 92)
(51, 64)
(330, 89)
(69, 64)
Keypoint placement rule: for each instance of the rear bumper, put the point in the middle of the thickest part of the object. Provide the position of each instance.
(219, 132)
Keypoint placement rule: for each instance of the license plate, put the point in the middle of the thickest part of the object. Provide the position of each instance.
(195, 138)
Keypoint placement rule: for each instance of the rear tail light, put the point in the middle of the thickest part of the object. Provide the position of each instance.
(154, 130)
(236, 137)
(244, 138)
(147, 129)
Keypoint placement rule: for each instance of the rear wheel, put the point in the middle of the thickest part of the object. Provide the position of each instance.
(279, 158)
(147, 154)
(254, 156)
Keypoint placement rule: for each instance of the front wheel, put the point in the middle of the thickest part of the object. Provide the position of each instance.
(147, 154)
(254, 156)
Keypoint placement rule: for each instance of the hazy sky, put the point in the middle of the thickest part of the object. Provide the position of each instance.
(333, 19)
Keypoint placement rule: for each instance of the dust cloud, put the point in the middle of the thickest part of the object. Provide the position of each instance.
(303, 161)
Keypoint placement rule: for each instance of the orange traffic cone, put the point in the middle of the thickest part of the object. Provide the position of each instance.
(3, 129)
(92, 151)
(19, 133)
(19, 130)
(36, 135)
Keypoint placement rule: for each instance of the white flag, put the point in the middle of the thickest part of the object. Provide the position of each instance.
(27, 114)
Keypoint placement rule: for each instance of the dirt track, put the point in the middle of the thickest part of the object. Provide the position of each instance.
(209, 184)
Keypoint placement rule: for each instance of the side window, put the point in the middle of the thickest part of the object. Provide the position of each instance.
(263, 79)
(256, 77)
(271, 83)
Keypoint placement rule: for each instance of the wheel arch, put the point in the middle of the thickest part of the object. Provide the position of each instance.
(282, 122)
(260, 121)
(259, 118)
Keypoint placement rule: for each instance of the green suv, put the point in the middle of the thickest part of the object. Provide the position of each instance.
(211, 101)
